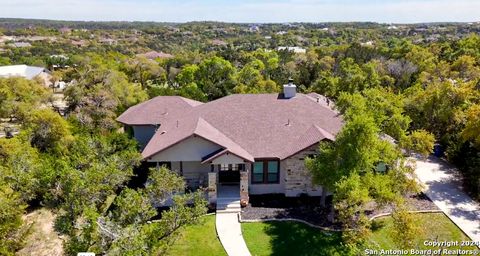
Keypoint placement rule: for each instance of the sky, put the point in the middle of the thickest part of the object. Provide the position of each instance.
(250, 11)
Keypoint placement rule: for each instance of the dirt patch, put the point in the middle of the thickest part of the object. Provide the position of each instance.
(42, 238)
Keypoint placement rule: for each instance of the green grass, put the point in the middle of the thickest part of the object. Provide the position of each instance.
(293, 238)
(435, 226)
(290, 238)
(199, 240)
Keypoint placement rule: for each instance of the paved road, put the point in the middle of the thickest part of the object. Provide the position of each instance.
(443, 187)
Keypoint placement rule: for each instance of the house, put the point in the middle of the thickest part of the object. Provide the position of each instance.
(152, 55)
(254, 28)
(257, 142)
(79, 43)
(28, 72)
(218, 42)
(294, 49)
(21, 44)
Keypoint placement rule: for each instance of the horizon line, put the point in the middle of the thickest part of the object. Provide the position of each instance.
(243, 22)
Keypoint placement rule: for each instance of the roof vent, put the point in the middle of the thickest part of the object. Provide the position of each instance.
(289, 90)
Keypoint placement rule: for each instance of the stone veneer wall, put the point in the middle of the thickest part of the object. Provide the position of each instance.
(297, 178)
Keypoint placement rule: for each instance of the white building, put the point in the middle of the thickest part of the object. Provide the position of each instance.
(28, 72)
(294, 49)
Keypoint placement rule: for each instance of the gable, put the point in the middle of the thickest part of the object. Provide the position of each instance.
(193, 148)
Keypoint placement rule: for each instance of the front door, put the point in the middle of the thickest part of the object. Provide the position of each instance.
(229, 173)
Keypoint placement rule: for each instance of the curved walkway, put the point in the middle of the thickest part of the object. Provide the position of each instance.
(443, 186)
(230, 234)
(227, 223)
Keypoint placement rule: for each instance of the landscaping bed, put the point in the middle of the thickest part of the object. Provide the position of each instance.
(277, 206)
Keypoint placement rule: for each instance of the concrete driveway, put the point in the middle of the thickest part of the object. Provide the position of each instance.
(443, 186)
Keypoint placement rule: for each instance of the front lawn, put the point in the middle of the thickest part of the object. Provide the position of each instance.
(293, 238)
(199, 240)
(290, 238)
(436, 226)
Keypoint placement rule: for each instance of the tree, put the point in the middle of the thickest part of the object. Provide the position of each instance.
(162, 184)
(386, 107)
(100, 92)
(86, 180)
(19, 96)
(128, 228)
(48, 131)
(216, 77)
(132, 207)
(471, 131)
(350, 199)
(11, 233)
(406, 227)
(347, 167)
(141, 70)
(419, 141)
(21, 168)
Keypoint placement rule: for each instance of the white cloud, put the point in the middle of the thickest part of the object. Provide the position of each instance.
(245, 11)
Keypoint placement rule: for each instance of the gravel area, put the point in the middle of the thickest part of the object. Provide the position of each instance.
(308, 209)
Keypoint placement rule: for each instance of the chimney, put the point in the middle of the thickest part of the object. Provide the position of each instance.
(289, 90)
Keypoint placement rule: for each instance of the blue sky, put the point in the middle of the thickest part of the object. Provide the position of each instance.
(387, 11)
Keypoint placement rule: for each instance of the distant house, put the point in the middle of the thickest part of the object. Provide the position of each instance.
(257, 142)
(80, 43)
(21, 44)
(156, 55)
(368, 43)
(4, 39)
(65, 30)
(28, 72)
(254, 28)
(219, 42)
(294, 49)
(108, 41)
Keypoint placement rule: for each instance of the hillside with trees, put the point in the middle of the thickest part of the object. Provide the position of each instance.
(419, 84)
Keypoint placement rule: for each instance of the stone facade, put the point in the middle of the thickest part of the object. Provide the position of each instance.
(297, 178)
(212, 187)
(244, 188)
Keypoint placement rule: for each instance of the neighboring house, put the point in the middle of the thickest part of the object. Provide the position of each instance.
(219, 42)
(294, 49)
(28, 72)
(152, 55)
(259, 141)
(254, 28)
(21, 44)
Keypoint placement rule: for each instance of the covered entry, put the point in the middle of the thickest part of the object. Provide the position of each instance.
(229, 173)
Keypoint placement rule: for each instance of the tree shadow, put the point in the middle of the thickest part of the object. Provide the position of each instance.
(293, 238)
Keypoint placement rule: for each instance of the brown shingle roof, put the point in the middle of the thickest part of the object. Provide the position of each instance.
(154, 54)
(248, 125)
(159, 110)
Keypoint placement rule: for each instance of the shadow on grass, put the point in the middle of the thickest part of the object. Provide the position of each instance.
(377, 225)
(292, 238)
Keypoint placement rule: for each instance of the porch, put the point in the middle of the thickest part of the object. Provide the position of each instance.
(226, 183)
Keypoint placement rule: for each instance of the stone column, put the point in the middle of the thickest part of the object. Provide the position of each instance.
(244, 188)
(212, 187)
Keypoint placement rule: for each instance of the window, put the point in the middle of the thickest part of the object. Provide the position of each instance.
(228, 167)
(272, 174)
(266, 171)
(257, 172)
